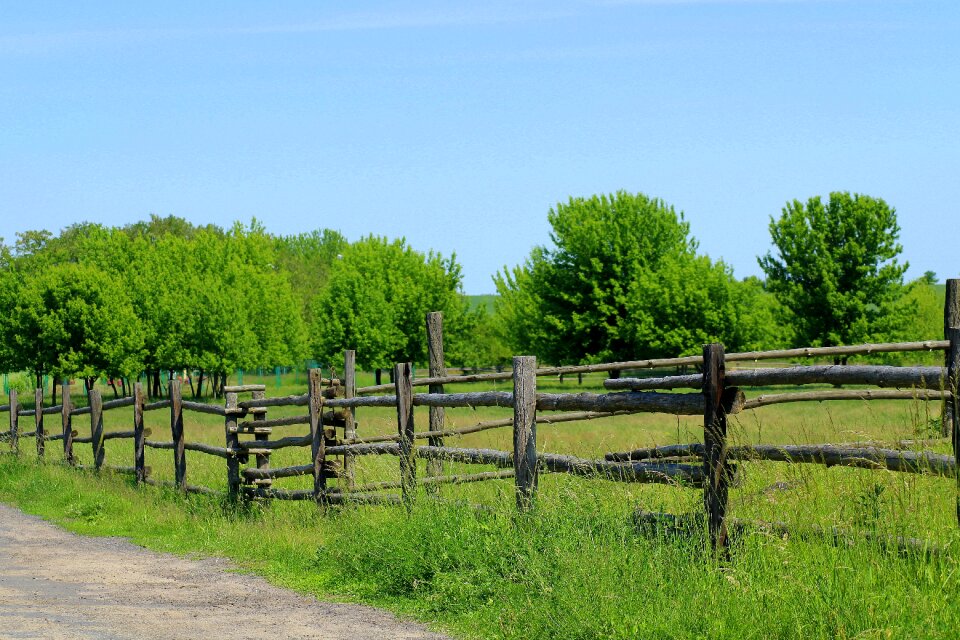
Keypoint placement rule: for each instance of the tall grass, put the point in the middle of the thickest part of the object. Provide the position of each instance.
(577, 566)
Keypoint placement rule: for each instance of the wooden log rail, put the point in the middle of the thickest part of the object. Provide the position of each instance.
(627, 402)
(880, 376)
(622, 472)
(826, 454)
(110, 435)
(199, 447)
(844, 394)
(656, 363)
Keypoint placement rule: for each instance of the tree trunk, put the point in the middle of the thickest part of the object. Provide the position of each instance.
(392, 376)
(113, 385)
(615, 374)
(199, 392)
(53, 393)
(377, 375)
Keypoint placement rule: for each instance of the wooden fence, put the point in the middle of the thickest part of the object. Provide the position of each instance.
(331, 405)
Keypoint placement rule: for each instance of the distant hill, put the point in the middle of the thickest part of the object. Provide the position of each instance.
(485, 301)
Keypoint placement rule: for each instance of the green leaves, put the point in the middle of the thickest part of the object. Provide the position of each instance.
(623, 280)
(836, 268)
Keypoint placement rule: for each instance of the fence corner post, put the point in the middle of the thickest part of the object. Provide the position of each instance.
(96, 428)
(176, 431)
(525, 430)
(14, 421)
(67, 422)
(951, 320)
(38, 420)
(403, 378)
(232, 441)
(715, 445)
(437, 370)
(349, 414)
(139, 458)
(318, 446)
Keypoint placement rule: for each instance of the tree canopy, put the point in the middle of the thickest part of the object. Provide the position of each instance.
(834, 266)
(622, 279)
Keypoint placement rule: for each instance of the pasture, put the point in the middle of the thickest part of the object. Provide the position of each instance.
(578, 566)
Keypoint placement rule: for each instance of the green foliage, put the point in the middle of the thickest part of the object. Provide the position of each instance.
(835, 268)
(307, 259)
(70, 319)
(376, 302)
(623, 279)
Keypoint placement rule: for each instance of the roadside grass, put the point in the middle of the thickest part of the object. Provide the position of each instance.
(577, 567)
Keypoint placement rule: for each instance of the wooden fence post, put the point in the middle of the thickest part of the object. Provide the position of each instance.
(349, 415)
(139, 458)
(262, 457)
(67, 422)
(14, 421)
(230, 400)
(38, 420)
(525, 430)
(402, 375)
(715, 445)
(951, 319)
(318, 446)
(437, 370)
(96, 427)
(176, 431)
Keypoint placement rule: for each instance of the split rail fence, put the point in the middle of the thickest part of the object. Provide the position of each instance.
(331, 405)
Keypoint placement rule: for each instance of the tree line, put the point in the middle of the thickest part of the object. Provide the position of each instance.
(623, 277)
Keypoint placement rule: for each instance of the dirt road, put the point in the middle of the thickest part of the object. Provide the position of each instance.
(54, 584)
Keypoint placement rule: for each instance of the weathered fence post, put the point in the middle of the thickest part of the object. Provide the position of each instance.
(318, 445)
(349, 415)
(38, 420)
(263, 455)
(715, 445)
(525, 430)
(14, 421)
(403, 378)
(232, 437)
(67, 422)
(951, 319)
(96, 427)
(139, 458)
(176, 431)
(437, 370)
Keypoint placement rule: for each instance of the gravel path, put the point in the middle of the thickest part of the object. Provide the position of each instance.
(55, 584)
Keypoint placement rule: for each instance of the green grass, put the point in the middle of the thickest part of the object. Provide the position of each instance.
(576, 567)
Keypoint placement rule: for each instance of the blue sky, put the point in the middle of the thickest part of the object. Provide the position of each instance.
(459, 125)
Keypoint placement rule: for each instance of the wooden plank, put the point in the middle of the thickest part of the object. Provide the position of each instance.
(139, 452)
(67, 422)
(176, 431)
(403, 378)
(38, 420)
(283, 401)
(716, 488)
(951, 320)
(317, 441)
(437, 369)
(881, 376)
(768, 399)
(261, 457)
(14, 437)
(96, 427)
(349, 415)
(525, 430)
(954, 399)
(232, 440)
(244, 388)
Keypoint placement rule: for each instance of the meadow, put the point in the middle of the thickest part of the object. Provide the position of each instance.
(577, 566)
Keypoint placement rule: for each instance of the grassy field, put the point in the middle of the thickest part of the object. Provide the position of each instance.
(577, 567)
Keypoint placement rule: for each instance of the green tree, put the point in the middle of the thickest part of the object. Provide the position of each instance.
(376, 301)
(622, 279)
(835, 268)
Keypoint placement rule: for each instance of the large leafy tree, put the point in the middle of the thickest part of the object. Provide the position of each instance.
(377, 298)
(622, 280)
(834, 266)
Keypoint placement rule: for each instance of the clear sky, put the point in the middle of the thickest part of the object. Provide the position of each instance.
(459, 125)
